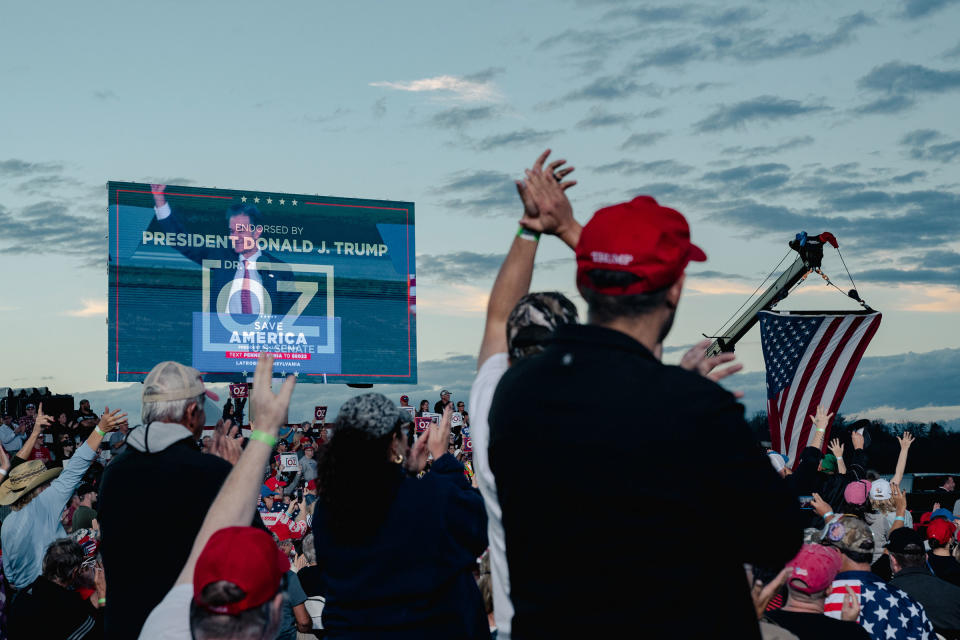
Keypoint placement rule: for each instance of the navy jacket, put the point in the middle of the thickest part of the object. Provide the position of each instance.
(650, 485)
(414, 579)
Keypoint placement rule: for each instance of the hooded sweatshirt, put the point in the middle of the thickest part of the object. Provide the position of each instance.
(153, 499)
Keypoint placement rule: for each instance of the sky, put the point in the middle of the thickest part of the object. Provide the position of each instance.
(757, 121)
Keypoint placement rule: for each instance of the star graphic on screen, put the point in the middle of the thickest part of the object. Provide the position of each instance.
(269, 201)
(293, 202)
(243, 198)
(256, 200)
(282, 201)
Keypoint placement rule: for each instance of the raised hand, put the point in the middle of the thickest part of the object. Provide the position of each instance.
(820, 506)
(857, 439)
(905, 440)
(546, 208)
(109, 421)
(269, 409)
(899, 498)
(225, 443)
(761, 594)
(836, 448)
(822, 418)
(42, 420)
(159, 199)
(440, 434)
(417, 459)
(696, 360)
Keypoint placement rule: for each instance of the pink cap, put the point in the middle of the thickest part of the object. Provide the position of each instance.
(857, 492)
(814, 568)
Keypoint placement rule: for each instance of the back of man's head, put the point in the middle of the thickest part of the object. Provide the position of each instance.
(906, 547)
(534, 320)
(630, 256)
(238, 586)
(169, 390)
(62, 561)
(853, 538)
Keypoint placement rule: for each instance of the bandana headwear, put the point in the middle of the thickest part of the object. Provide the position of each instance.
(535, 319)
(370, 412)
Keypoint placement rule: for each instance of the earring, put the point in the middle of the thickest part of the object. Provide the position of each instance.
(399, 459)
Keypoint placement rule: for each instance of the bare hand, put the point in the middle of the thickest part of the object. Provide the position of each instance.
(109, 421)
(696, 360)
(159, 199)
(836, 448)
(820, 506)
(857, 439)
(225, 443)
(899, 498)
(417, 459)
(440, 434)
(4, 459)
(546, 208)
(851, 607)
(301, 562)
(270, 409)
(100, 581)
(822, 418)
(762, 594)
(906, 440)
(42, 420)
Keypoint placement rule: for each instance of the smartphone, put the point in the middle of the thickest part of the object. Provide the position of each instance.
(806, 502)
(299, 495)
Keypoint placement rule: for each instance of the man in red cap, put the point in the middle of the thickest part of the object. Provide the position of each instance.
(604, 523)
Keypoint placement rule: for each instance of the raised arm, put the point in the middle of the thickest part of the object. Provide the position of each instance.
(38, 425)
(546, 209)
(905, 441)
(236, 502)
(837, 450)
(820, 422)
(900, 504)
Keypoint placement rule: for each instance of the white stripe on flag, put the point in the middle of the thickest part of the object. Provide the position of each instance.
(801, 414)
(791, 448)
(834, 602)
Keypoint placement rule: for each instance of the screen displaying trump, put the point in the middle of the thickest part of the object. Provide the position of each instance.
(213, 277)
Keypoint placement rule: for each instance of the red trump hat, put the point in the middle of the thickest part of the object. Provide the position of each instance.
(243, 556)
(639, 237)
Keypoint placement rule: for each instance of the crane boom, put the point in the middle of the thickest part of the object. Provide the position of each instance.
(810, 250)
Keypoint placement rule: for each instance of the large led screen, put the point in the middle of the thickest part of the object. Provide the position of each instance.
(213, 277)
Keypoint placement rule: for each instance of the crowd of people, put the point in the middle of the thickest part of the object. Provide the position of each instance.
(378, 525)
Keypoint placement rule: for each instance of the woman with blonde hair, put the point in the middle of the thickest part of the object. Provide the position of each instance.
(884, 514)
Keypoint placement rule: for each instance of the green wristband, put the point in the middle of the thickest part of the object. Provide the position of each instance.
(263, 437)
(526, 234)
(100, 431)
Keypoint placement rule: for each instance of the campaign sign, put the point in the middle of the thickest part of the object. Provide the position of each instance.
(421, 424)
(434, 417)
(239, 389)
(215, 277)
(320, 413)
(288, 462)
(465, 430)
(468, 445)
(410, 411)
(456, 420)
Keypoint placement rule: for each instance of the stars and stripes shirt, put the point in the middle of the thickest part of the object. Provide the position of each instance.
(886, 613)
(810, 361)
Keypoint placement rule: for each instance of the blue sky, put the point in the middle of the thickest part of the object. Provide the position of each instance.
(757, 121)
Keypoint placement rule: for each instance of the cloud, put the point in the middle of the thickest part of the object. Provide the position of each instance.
(656, 168)
(459, 266)
(917, 143)
(639, 140)
(754, 45)
(907, 178)
(900, 83)
(673, 56)
(49, 227)
(488, 193)
(911, 276)
(758, 177)
(461, 89)
(379, 108)
(90, 309)
(336, 114)
(461, 117)
(760, 109)
(516, 138)
(43, 185)
(941, 259)
(647, 15)
(610, 87)
(766, 150)
(484, 75)
(599, 117)
(721, 275)
(15, 167)
(105, 95)
(913, 9)
(952, 53)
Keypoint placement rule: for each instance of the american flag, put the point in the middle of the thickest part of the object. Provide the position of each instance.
(810, 361)
(886, 613)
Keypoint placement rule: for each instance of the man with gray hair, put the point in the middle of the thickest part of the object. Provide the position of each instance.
(142, 505)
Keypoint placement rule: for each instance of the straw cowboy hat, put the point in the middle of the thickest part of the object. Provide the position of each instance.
(23, 478)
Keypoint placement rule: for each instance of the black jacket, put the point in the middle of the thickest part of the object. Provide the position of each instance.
(624, 483)
(414, 580)
(940, 599)
(151, 508)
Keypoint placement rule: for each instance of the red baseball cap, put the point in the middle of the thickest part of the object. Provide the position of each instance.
(639, 237)
(404, 398)
(246, 557)
(814, 568)
(940, 530)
